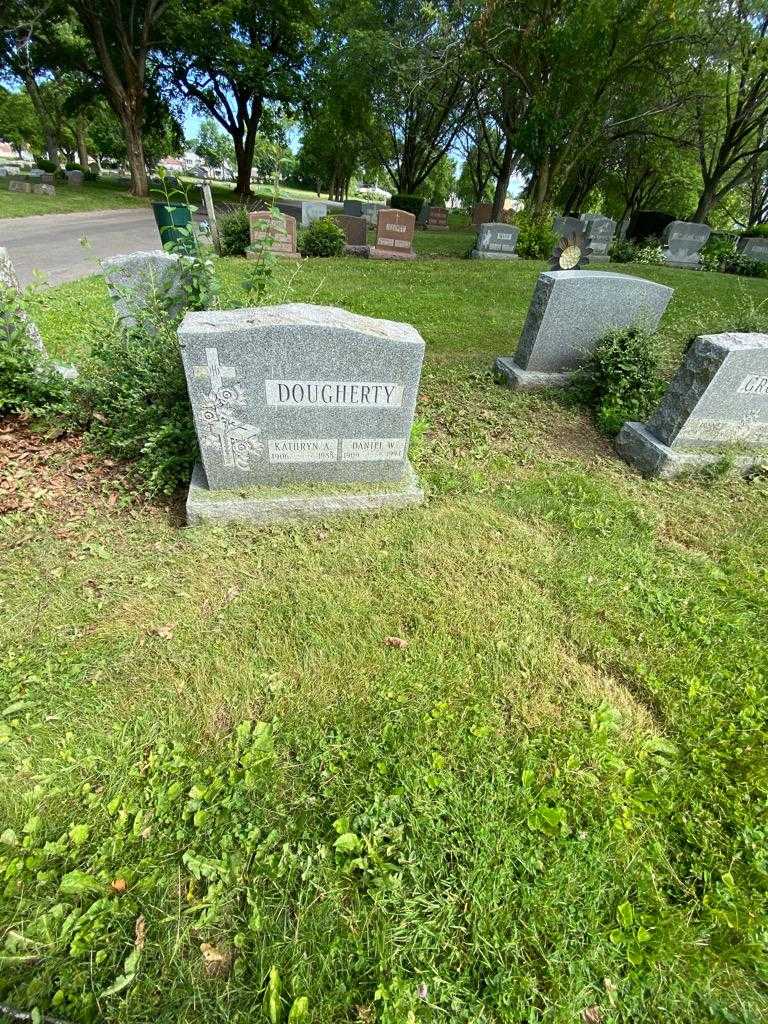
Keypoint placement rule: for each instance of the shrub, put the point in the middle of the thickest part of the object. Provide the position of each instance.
(49, 166)
(90, 175)
(719, 251)
(756, 231)
(70, 165)
(623, 251)
(652, 253)
(537, 238)
(323, 238)
(745, 267)
(409, 203)
(28, 381)
(235, 233)
(622, 379)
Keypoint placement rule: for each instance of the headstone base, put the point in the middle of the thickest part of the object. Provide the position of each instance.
(680, 264)
(519, 379)
(251, 255)
(478, 254)
(645, 453)
(600, 257)
(385, 254)
(356, 250)
(436, 227)
(276, 505)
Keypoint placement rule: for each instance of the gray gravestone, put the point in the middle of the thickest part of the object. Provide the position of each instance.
(299, 395)
(47, 178)
(353, 208)
(570, 311)
(144, 282)
(599, 233)
(310, 212)
(683, 242)
(44, 190)
(291, 209)
(4, 171)
(495, 242)
(753, 249)
(8, 279)
(19, 185)
(717, 404)
(564, 226)
(74, 178)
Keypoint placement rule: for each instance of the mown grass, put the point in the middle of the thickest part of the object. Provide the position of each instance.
(96, 195)
(549, 802)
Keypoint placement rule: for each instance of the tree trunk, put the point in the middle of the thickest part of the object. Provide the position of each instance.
(244, 163)
(502, 183)
(49, 132)
(136, 164)
(541, 191)
(706, 203)
(82, 149)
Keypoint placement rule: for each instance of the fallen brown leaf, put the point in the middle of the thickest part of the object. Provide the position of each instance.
(140, 932)
(395, 641)
(216, 962)
(119, 885)
(592, 1015)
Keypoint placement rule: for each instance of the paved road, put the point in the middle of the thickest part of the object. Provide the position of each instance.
(51, 243)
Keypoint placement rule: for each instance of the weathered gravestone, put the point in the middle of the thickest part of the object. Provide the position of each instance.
(371, 211)
(570, 311)
(599, 232)
(495, 242)
(355, 229)
(353, 208)
(9, 280)
(717, 405)
(47, 178)
(683, 242)
(437, 219)
(564, 226)
(311, 399)
(143, 284)
(19, 185)
(753, 249)
(44, 190)
(310, 212)
(273, 232)
(394, 236)
(4, 171)
(481, 214)
(74, 178)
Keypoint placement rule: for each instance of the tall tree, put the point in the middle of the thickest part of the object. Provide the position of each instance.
(233, 57)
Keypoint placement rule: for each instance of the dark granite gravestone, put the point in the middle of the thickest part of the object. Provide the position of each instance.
(74, 178)
(355, 229)
(353, 207)
(753, 249)
(423, 216)
(394, 236)
(297, 396)
(599, 232)
(683, 242)
(481, 214)
(570, 311)
(564, 226)
(273, 232)
(437, 219)
(495, 242)
(716, 405)
(291, 208)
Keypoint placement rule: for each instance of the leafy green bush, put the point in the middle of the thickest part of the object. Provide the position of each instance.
(745, 267)
(537, 238)
(622, 379)
(28, 381)
(70, 165)
(49, 166)
(623, 251)
(718, 252)
(323, 238)
(90, 175)
(235, 233)
(652, 253)
(409, 203)
(756, 231)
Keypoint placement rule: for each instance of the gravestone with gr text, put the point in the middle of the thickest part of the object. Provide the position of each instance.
(753, 249)
(394, 236)
(437, 219)
(599, 232)
(495, 242)
(683, 242)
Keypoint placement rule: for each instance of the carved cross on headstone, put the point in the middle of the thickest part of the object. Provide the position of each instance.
(213, 371)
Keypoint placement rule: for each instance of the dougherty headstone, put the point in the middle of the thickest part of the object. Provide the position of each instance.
(753, 249)
(599, 232)
(394, 236)
(570, 311)
(716, 404)
(683, 241)
(144, 283)
(9, 280)
(481, 214)
(437, 219)
(299, 395)
(495, 242)
(564, 226)
(273, 232)
(355, 229)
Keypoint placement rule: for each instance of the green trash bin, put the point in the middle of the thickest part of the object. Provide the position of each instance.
(169, 217)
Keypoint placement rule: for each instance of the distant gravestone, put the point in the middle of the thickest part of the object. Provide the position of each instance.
(19, 185)
(564, 226)
(353, 208)
(717, 404)
(47, 178)
(481, 213)
(74, 178)
(44, 190)
(599, 232)
(371, 211)
(297, 396)
(495, 242)
(437, 218)
(4, 171)
(275, 232)
(423, 216)
(291, 209)
(753, 249)
(683, 242)
(142, 283)
(394, 236)
(570, 311)
(355, 229)
(9, 280)
(311, 212)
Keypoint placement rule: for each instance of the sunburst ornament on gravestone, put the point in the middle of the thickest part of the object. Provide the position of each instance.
(571, 252)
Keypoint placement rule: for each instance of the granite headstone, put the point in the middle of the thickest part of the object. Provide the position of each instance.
(275, 232)
(570, 311)
(437, 219)
(299, 395)
(753, 249)
(144, 282)
(394, 236)
(495, 242)
(683, 242)
(74, 178)
(565, 226)
(353, 208)
(19, 185)
(44, 190)
(717, 404)
(599, 232)
(355, 228)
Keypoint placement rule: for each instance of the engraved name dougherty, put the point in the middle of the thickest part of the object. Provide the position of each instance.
(300, 394)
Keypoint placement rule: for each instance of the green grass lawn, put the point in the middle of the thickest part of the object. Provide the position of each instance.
(547, 805)
(96, 195)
